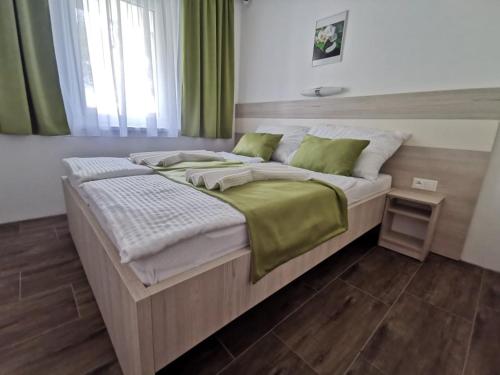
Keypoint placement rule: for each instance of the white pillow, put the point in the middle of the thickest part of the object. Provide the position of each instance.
(292, 137)
(383, 144)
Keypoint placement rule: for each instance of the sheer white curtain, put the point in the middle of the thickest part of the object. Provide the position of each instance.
(117, 62)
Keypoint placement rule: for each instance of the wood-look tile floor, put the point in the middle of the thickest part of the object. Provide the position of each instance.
(364, 311)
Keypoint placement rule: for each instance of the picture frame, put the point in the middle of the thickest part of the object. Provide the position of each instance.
(329, 39)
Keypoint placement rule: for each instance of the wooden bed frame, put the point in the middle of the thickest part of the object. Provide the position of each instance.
(151, 326)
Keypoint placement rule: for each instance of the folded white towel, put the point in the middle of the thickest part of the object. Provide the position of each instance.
(167, 158)
(225, 178)
(236, 179)
(209, 177)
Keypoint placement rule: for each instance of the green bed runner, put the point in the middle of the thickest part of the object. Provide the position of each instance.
(285, 218)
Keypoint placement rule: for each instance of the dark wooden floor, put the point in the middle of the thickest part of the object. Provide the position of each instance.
(364, 311)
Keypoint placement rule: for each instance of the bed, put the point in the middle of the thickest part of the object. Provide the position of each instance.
(158, 307)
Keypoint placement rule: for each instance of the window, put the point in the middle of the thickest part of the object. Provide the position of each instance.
(117, 62)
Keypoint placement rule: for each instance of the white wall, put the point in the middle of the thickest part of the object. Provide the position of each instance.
(30, 167)
(483, 242)
(391, 46)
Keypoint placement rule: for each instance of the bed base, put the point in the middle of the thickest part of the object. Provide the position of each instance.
(151, 326)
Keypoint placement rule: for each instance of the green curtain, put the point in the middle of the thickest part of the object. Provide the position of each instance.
(30, 96)
(207, 68)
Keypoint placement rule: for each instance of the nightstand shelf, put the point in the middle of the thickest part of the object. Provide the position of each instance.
(418, 209)
(402, 239)
(416, 213)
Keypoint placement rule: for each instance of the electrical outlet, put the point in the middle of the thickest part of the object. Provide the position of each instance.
(424, 184)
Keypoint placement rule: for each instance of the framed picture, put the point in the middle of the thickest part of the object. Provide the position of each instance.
(329, 39)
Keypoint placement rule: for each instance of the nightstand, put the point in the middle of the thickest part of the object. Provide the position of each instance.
(409, 221)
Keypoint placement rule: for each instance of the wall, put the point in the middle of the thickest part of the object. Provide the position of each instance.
(391, 46)
(30, 167)
(483, 242)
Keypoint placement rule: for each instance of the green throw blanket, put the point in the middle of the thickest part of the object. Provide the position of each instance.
(285, 218)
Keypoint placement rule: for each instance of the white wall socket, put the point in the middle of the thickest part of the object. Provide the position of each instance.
(424, 184)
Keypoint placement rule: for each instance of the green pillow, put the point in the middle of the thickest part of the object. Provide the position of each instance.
(258, 145)
(333, 156)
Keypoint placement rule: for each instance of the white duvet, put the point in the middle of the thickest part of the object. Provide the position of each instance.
(146, 214)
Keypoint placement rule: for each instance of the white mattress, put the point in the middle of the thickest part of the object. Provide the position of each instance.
(203, 248)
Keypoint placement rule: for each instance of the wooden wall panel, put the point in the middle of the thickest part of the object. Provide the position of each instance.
(483, 103)
(460, 174)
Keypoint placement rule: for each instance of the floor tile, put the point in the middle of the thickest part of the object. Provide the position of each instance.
(37, 255)
(363, 367)
(77, 347)
(9, 229)
(449, 284)
(42, 224)
(22, 241)
(50, 277)
(383, 274)
(31, 317)
(9, 288)
(209, 357)
(268, 356)
(332, 267)
(19, 243)
(251, 326)
(490, 291)
(329, 330)
(418, 338)
(112, 368)
(484, 356)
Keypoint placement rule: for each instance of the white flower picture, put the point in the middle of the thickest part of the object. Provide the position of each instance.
(329, 39)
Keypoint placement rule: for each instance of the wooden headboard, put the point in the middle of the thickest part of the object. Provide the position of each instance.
(453, 135)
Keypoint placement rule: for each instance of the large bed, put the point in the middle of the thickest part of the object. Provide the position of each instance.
(150, 326)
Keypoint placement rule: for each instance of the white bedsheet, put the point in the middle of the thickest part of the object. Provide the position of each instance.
(145, 214)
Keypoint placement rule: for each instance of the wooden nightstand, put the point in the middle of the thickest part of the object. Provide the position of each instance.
(409, 221)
